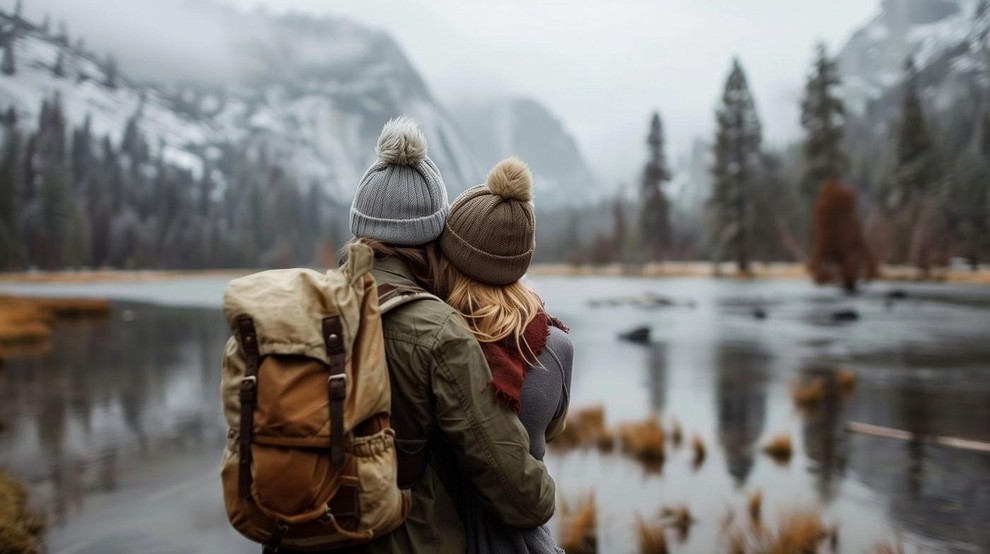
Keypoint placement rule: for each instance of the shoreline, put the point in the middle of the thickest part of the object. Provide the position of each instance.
(761, 271)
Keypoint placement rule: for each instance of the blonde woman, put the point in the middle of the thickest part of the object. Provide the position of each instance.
(486, 246)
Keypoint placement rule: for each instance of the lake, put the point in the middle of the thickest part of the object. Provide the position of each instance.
(118, 430)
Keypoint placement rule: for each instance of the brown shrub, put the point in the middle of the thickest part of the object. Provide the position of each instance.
(839, 252)
(583, 427)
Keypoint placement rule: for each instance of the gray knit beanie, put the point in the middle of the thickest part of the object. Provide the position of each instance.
(491, 232)
(401, 199)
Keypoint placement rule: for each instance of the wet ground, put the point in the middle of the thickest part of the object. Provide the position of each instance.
(117, 429)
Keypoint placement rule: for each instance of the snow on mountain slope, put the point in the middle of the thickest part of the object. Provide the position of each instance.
(946, 38)
(525, 128)
(315, 94)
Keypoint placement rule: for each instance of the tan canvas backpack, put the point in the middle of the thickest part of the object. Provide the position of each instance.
(310, 460)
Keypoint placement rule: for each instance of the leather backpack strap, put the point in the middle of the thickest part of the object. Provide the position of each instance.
(249, 399)
(333, 336)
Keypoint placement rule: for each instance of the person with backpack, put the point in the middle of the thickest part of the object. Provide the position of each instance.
(485, 248)
(359, 405)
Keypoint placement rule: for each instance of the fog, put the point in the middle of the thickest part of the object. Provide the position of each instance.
(602, 67)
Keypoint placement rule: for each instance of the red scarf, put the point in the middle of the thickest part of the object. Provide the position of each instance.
(509, 366)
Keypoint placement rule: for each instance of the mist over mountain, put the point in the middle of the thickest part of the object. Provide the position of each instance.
(497, 128)
(314, 95)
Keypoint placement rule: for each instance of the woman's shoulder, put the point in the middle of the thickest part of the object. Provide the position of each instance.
(559, 346)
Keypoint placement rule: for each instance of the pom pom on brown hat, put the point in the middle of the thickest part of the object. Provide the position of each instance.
(490, 232)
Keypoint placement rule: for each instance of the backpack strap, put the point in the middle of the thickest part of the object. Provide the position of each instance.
(391, 297)
(333, 332)
(248, 398)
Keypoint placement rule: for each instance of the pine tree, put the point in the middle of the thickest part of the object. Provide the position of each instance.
(8, 66)
(914, 164)
(823, 118)
(737, 166)
(9, 245)
(654, 217)
(58, 69)
(110, 73)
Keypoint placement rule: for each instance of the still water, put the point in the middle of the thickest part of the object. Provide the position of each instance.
(118, 429)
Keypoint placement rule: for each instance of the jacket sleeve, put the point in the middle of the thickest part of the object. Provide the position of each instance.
(491, 445)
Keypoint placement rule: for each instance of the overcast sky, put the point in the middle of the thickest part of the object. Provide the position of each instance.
(601, 66)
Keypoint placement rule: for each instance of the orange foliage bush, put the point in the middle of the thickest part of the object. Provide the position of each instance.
(839, 252)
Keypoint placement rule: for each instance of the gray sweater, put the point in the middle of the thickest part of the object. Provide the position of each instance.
(544, 398)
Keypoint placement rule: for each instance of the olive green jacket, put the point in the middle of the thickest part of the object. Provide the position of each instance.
(441, 387)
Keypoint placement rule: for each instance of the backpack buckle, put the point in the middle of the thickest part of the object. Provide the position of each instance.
(249, 389)
(338, 386)
(327, 518)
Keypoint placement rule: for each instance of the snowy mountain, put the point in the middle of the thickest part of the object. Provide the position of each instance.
(315, 95)
(525, 128)
(947, 40)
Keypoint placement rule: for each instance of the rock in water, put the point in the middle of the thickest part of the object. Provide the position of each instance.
(640, 335)
(759, 313)
(845, 315)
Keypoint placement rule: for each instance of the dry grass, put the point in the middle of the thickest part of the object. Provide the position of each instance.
(755, 506)
(678, 517)
(799, 531)
(887, 548)
(579, 526)
(643, 440)
(845, 380)
(676, 435)
(809, 394)
(583, 427)
(698, 446)
(652, 539)
(26, 323)
(606, 441)
(20, 529)
(779, 448)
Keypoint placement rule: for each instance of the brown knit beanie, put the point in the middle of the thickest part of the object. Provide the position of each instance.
(490, 232)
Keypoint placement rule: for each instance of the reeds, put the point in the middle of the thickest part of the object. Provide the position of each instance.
(20, 529)
(583, 427)
(845, 380)
(798, 531)
(676, 435)
(809, 394)
(779, 448)
(643, 441)
(755, 506)
(579, 526)
(698, 446)
(652, 539)
(678, 517)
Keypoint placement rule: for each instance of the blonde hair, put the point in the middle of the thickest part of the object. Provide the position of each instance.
(493, 313)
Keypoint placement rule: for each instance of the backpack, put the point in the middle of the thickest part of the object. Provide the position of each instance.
(310, 459)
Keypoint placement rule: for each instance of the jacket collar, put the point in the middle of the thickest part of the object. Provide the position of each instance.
(390, 269)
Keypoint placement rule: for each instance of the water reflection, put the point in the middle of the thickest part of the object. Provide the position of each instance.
(741, 369)
(109, 397)
(823, 432)
(656, 374)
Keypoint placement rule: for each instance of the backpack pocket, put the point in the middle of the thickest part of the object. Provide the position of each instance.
(383, 506)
